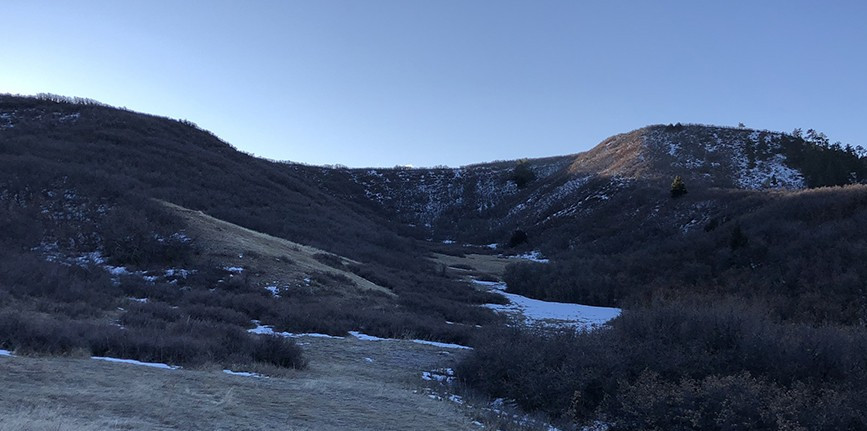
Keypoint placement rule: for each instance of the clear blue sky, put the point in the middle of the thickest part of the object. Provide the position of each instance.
(381, 83)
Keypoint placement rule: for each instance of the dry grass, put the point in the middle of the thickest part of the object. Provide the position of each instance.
(53, 419)
(480, 264)
(341, 390)
(268, 260)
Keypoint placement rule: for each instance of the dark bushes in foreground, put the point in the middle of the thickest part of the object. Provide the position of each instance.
(337, 317)
(182, 342)
(736, 402)
(683, 366)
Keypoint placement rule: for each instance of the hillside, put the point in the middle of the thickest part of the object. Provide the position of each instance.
(110, 153)
(98, 166)
(136, 237)
(628, 174)
(182, 221)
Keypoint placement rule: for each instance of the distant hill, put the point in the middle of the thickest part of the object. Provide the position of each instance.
(483, 203)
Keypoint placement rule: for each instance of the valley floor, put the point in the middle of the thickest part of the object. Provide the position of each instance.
(350, 384)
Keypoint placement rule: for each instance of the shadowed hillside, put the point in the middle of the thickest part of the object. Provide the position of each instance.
(139, 225)
(730, 250)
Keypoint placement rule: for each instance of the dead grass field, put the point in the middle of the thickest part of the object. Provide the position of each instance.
(267, 260)
(340, 391)
(481, 264)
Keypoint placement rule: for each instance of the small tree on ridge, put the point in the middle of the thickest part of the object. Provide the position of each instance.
(678, 188)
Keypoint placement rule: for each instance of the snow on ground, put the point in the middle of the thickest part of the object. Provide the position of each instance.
(6, 120)
(771, 173)
(69, 117)
(134, 362)
(274, 290)
(244, 374)
(446, 375)
(533, 256)
(269, 330)
(234, 269)
(537, 312)
(501, 409)
(443, 345)
(5, 353)
(116, 270)
(365, 337)
(178, 272)
(540, 201)
(95, 259)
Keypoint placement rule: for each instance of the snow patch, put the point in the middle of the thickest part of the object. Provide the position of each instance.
(533, 256)
(116, 270)
(134, 362)
(771, 173)
(178, 272)
(365, 337)
(5, 353)
(269, 330)
(499, 285)
(69, 117)
(443, 345)
(6, 120)
(536, 312)
(244, 374)
(442, 375)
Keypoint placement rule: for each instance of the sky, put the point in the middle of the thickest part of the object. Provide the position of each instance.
(446, 82)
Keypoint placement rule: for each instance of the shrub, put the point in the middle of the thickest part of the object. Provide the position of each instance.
(518, 237)
(678, 188)
(278, 351)
(686, 365)
(144, 234)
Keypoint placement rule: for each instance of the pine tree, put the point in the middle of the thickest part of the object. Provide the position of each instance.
(678, 188)
(522, 174)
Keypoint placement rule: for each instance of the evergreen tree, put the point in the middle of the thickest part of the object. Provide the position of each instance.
(522, 174)
(678, 188)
